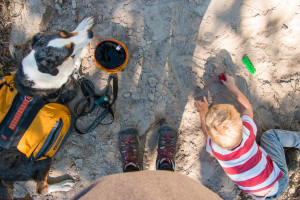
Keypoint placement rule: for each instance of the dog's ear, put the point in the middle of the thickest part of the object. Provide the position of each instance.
(35, 38)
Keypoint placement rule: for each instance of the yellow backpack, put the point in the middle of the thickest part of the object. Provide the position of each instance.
(31, 125)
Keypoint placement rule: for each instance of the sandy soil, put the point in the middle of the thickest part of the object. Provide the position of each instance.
(177, 49)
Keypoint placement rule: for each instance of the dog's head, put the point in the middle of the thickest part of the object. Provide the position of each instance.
(50, 62)
(49, 51)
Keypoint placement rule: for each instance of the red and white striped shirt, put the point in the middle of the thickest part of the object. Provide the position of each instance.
(248, 165)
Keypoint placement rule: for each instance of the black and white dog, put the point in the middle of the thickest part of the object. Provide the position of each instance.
(42, 73)
(47, 68)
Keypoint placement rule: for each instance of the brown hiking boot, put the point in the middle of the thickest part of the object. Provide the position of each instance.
(166, 149)
(129, 150)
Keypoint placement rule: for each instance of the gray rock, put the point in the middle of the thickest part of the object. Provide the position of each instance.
(19, 192)
(157, 94)
(74, 4)
(170, 80)
(152, 81)
(59, 1)
(126, 95)
(144, 78)
(58, 8)
(151, 97)
(152, 118)
(136, 96)
(78, 163)
(151, 112)
(158, 88)
(73, 151)
(144, 96)
(131, 90)
(126, 116)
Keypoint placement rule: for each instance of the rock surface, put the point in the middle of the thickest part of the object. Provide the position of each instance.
(177, 50)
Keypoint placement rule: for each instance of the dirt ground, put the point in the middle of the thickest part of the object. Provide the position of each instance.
(177, 50)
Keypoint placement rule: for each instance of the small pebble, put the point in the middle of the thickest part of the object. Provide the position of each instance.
(74, 4)
(126, 95)
(78, 163)
(151, 97)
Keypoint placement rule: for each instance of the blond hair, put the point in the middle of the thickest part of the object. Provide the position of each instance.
(224, 125)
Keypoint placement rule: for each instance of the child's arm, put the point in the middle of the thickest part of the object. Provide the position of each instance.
(243, 101)
(203, 108)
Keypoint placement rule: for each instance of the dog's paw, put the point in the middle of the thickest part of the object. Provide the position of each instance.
(85, 24)
(62, 186)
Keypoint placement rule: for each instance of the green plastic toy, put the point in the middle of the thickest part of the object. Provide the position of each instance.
(249, 65)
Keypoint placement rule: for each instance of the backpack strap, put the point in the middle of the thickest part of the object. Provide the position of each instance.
(14, 122)
(5, 83)
(91, 100)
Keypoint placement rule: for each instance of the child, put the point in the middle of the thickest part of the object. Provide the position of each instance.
(259, 171)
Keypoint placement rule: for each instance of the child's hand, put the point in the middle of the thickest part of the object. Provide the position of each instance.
(229, 83)
(202, 105)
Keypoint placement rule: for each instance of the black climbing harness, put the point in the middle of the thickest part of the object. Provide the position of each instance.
(91, 100)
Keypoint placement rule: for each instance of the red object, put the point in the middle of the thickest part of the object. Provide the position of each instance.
(222, 77)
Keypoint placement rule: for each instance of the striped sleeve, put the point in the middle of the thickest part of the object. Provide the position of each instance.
(208, 148)
(249, 120)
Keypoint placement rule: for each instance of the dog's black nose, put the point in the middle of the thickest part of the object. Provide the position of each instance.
(90, 34)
